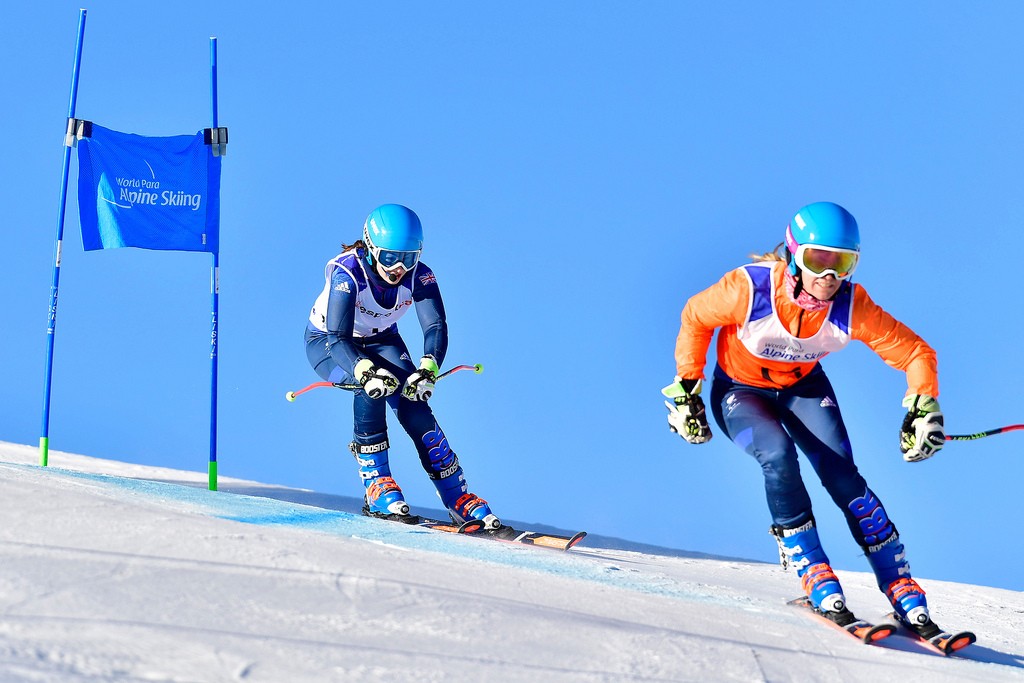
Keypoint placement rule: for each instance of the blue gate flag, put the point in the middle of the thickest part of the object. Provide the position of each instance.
(148, 192)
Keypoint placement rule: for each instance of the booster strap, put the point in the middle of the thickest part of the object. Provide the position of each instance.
(368, 448)
(780, 533)
(451, 470)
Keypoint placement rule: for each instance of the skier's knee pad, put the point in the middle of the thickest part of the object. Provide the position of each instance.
(781, 472)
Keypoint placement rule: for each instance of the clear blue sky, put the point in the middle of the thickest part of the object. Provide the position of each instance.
(580, 168)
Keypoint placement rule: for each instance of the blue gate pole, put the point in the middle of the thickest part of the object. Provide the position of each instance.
(44, 437)
(214, 293)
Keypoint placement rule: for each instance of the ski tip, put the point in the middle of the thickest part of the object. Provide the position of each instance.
(943, 642)
(959, 641)
(575, 539)
(877, 632)
(471, 527)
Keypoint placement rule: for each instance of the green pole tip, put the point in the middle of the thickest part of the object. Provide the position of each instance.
(478, 368)
(44, 451)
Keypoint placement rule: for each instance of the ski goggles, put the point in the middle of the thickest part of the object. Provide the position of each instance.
(391, 259)
(822, 261)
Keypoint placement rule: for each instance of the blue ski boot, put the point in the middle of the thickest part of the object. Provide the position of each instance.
(442, 466)
(888, 561)
(800, 548)
(383, 496)
(885, 553)
(471, 506)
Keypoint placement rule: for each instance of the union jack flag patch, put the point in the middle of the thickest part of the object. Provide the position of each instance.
(428, 279)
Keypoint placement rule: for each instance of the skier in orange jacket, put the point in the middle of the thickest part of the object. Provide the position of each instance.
(777, 318)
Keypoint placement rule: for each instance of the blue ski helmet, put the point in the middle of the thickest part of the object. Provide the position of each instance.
(823, 224)
(393, 234)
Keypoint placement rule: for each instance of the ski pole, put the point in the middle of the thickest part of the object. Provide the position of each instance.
(982, 435)
(290, 396)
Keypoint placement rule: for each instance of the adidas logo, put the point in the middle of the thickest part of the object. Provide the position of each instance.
(827, 402)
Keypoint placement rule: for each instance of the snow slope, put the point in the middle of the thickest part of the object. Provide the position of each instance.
(116, 572)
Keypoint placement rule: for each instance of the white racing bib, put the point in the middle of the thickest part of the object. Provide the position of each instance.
(764, 335)
(370, 318)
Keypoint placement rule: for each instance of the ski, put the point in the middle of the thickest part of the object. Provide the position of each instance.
(538, 538)
(845, 621)
(475, 527)
(933, 637)
(470, 527)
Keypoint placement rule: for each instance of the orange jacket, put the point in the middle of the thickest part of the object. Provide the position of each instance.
(725, 304)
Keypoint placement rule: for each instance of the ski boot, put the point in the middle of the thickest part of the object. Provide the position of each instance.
(876, 533)
(800, 548)
(910, 608)
(471, 506)
(442, 466)
(888, 560)
(383, 496)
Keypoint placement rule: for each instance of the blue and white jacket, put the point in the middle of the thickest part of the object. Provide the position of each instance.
(356, 305)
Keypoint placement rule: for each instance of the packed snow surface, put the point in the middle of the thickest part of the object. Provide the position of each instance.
(117, 572)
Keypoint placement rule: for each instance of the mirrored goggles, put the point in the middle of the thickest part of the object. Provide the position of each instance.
(822, 261)
(391, 259)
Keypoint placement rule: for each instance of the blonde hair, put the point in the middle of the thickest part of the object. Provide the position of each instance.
(776, 254)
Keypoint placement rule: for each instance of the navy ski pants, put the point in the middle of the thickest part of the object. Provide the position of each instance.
(770, 424)
(386, 350)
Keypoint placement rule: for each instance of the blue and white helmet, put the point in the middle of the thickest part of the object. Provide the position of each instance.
(823, 238)
(393, 235)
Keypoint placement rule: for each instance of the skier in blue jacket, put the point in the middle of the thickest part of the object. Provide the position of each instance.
(352, 337)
